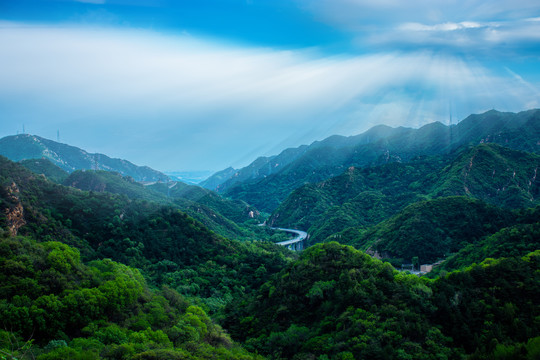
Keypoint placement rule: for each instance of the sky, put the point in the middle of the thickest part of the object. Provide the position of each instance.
(191, 85)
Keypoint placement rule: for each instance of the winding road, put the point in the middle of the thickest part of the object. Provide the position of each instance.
(294, 244)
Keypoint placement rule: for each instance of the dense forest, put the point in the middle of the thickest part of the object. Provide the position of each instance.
(337, 302)
(267, 182)
(95, 265)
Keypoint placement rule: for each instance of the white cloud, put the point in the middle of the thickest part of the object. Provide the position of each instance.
(448, 26)
(186, 103)
(474, 25)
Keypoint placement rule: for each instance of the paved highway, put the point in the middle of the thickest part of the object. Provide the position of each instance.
(301, 236)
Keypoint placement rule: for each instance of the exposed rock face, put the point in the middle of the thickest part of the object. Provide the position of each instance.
(14, 213)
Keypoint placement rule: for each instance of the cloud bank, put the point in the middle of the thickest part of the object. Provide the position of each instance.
(471, 25)
(184, 103)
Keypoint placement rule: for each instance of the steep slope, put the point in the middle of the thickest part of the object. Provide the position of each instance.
(363, 197)
(47, 168)
(223, 216)
(267, 181)
(260, 168)
(235, 210)
(339, 303)
(169, 246)
(431, 230)
(214, 181)
(264, 167)
(358, 197)
(493, 173)
(513, 241)
(112, 182)
(70, 158)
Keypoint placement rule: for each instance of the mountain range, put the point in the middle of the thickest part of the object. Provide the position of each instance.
(96, 265)
(363, 197)
(71, 158)
(267, 181)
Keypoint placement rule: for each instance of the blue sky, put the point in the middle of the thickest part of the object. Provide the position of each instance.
(205, 84)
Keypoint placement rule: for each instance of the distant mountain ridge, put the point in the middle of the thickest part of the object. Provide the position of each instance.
(71, 158)
(363, 197)
(266, 182)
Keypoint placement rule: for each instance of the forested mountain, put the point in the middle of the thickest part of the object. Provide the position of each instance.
(364, 197)
(136, 232)
(47, 168)
(71, 158)
(235, 210)
(430, 230)
(54, 306)
(81, 306)
(268, 181)
(95, 265)
(214, 181)
(338, 303)
(513, 241)
(225, 217)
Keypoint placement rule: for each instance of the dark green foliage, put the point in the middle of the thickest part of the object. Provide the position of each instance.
(112, 182)
(268, 181)
(364, 197)
(166, 244)
(338, 302)
(225, 217)
(399, 211)
(47, 168)
(359, 197)
(433, 229)
(493, 173)
(491, 304)
(514, 241)
(236, 211)
(120, 271)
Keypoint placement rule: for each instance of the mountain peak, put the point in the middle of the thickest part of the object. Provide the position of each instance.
(71, 158)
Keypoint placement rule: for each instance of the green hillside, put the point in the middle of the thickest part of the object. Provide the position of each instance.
(47, 168)
(70, 158)
(103, 267)
(54, 306)
(359, 197)
(336, 302)
(235, 210)
(431, 230)
(112, 182)
(225, 217)
(165, 243)
(513, 241)
(268, 181)
(493, 173)
(362, 198)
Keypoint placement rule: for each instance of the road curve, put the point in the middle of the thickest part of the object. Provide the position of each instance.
(301, 236)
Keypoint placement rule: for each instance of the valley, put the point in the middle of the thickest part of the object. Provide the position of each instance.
(294, 256)
(269, 180)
